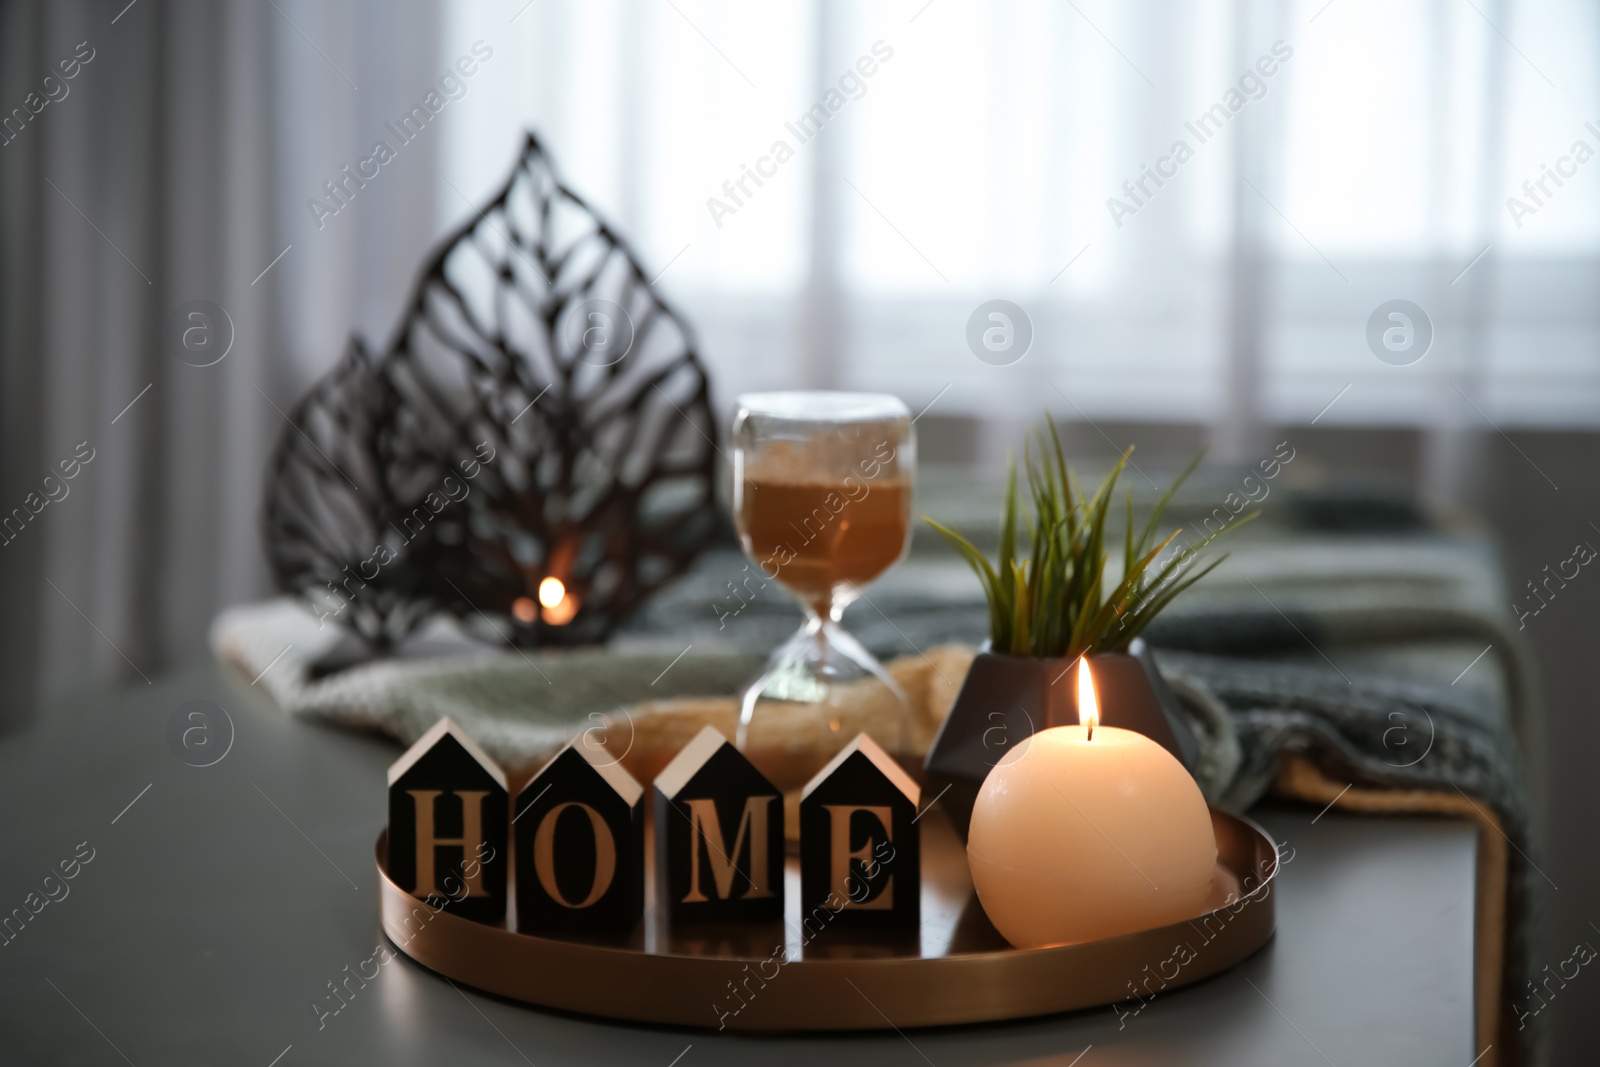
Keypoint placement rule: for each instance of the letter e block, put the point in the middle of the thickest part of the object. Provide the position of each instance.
(858, 841)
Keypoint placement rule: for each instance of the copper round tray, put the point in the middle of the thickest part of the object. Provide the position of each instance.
(802, 976)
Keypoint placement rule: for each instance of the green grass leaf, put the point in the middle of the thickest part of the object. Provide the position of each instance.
(1053, 602)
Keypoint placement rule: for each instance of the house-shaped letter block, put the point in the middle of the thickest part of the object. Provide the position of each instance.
(859, 854)
(447, 824)
(579, 839)
(719, 835)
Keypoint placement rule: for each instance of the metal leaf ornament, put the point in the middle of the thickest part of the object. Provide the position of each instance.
(534, 452)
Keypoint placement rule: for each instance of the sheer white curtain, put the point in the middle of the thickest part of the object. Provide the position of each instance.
(829, 188)
(175, 165)
(1356, 152)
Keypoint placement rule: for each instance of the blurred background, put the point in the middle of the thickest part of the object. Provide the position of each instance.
(937, 155)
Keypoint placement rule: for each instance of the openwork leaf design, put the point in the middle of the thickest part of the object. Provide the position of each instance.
(540, 412)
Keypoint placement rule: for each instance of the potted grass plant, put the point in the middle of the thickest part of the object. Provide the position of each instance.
(1055, 600)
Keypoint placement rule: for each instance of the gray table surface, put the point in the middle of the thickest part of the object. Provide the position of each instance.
(221, 901)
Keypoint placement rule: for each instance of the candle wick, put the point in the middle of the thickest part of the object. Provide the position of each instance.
(1091, 731)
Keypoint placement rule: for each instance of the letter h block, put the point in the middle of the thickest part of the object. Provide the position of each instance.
(447, 824)
(579, 842)
(719, 835)
(860, 853)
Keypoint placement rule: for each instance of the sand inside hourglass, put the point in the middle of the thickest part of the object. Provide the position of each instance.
(817, 522)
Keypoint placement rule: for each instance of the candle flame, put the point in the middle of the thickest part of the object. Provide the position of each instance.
(558, 606)
(1088, 706)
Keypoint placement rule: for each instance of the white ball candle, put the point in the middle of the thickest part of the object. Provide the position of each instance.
(1089, 832)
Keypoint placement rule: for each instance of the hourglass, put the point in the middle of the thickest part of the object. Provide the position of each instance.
(822, 503)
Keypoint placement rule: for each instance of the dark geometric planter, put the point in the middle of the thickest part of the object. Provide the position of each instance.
(1005, 699)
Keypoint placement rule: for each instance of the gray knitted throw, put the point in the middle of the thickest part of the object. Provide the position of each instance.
(1385, 656)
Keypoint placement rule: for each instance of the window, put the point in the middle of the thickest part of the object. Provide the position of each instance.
(1338, 155)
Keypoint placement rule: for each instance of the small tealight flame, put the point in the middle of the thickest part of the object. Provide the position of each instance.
(558, 606)
(1088, 706)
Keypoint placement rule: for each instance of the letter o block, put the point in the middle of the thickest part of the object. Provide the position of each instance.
(578, 833)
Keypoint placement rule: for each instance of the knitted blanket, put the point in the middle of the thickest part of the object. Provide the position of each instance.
(1375, 671)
